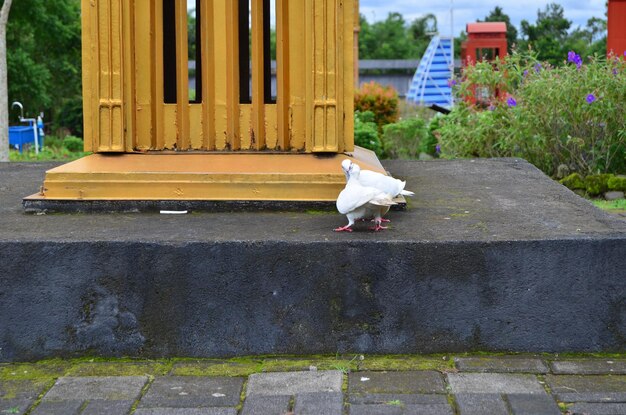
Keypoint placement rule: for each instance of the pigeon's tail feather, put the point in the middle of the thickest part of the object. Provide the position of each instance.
(407, 193)
(382, 201)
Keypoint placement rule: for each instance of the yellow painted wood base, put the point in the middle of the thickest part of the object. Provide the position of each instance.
(203, 176)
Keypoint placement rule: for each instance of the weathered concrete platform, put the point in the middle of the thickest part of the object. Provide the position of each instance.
(491, 255)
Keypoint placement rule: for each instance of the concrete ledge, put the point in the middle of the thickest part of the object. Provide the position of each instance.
(530, 267)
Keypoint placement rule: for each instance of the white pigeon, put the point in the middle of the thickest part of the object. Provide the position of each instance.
(382, 182)
(357, 201)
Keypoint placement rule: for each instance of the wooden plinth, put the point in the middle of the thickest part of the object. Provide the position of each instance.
(203, 176)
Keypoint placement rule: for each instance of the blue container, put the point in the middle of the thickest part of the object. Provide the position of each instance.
(19, 135)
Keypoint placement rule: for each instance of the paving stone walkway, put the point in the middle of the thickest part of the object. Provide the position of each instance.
(475, 385)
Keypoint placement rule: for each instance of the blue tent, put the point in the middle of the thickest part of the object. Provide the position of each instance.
(431, 82)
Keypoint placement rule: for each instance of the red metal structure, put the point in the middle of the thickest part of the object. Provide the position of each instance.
(485, 40)
(616, 39)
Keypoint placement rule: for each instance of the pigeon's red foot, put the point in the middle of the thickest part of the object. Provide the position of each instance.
(343, 229)
(378, 227)
(382, 220)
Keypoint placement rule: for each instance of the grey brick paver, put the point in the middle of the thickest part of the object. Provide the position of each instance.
(411, 382)
(58, 408)
(491, 383)
(102, 407)
(319, 403)
(186, 411)
(293, 383)
(15, 406)
(500, 365)
(598, 409)
(480, 404)
(405, 399)
(589, 367)
(266, 405)
(192, 392)
(560, 384)
(591, 397)
(115, 388)
(525, 404)
(430, 409)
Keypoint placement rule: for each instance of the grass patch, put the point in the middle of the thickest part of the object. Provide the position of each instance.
(46, 154)
(610, 205)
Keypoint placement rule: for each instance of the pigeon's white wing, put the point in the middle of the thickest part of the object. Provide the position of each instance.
(382, 182)
(353, 197)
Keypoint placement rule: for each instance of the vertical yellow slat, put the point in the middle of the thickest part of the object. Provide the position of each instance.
(89, 18)
(157, 70)
(208, 75)
(282, 73)
(310, 72)
(231, 25)
(144, 74)
(333, 48)
(338, 86)
(258, 74)
(117, 77)
(182, 77)
(298, 75)
(129, 87)
(220, 91)
(104, 76)
(351, 71)
(319, 75)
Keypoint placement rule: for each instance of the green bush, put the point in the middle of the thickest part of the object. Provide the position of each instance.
(381, 101)
(52, 141)
(404, 139)
(597, 184)
(617, 183)
(573, 182)
(366, 132)
(570, 115)
(73, 144)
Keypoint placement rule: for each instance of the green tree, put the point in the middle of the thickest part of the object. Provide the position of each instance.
(497, 15)
(387, 39)
(549, 35)
(44, 65)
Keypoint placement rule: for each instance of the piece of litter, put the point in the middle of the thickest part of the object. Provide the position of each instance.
(218, 395)
(177, 388)
(313, 368)
(183, 394)
(174, 212)
(447, 218)
(364, 379)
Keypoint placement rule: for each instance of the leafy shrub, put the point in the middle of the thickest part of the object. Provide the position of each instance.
(70, 116)
(52, 141)
(366, 132)
(572, 115)
(617, 183)
(573, 182)
(404, 139)
(596, 184)
(73, 144)
(381, 101)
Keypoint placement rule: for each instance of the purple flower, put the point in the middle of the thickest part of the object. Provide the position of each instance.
(591, 98)
(492, 107)
(525, 72)
(438, 149)
(574, 58)
(537, 67)
(452, 82)
(511, 102)
(615, 71)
